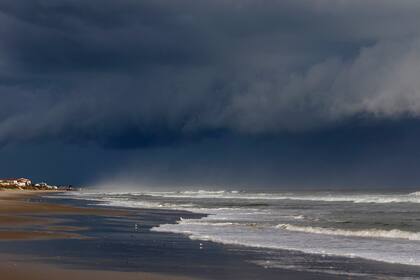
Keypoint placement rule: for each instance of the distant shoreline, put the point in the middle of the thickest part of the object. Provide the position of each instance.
(28, 184)
(20, 189)
(35, 188)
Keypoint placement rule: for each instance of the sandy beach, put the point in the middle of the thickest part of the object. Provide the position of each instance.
(19, 212)
(36, 271)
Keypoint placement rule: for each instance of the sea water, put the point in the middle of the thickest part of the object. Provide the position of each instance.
(375, 226)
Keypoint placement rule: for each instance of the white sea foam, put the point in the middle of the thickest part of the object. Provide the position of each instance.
(203, 223)
(204, 192)
(386, 250)
(114, 200)
(415, 193)
(298, 217)
(372, 233)
(327, 197)
(144, 204)
(281, 264)
(378, 198)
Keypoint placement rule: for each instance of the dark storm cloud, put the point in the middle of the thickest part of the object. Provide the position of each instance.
(143, 73)
(355, 156)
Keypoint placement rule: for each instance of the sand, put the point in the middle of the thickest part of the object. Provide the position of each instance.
(18, 213)
(23, 271)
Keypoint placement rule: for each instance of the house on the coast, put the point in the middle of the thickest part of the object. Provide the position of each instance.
(46, 186)
(19, 182)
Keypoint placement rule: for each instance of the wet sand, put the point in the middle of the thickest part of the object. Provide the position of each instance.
(33, 271)
(22, 218)
(17, 211)
(10, 270)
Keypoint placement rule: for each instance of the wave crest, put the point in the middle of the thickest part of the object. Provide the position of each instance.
(371, 233)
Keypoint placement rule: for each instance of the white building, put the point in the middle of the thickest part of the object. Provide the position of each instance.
(20, 182)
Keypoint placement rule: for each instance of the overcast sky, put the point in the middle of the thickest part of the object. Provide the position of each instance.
(322, 93)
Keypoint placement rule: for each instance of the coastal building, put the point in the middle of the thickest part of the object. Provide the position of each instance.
(19, 182)
(46, 186)
(23, 182)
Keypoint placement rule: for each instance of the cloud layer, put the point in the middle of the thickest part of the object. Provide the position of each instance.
(142, 73)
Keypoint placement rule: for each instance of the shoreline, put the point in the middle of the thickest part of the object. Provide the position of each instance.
(19, 214)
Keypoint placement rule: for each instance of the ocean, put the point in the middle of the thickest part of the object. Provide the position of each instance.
(381, 226)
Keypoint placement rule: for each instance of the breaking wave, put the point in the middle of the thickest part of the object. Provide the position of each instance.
(372, 233)
(327, 197)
